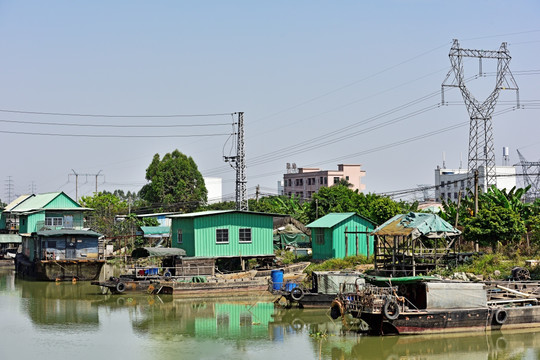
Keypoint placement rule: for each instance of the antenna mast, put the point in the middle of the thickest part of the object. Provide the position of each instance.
(481, 148)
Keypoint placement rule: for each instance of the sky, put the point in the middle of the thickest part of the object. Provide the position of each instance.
(320, 83)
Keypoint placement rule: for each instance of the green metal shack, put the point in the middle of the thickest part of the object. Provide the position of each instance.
(224, 233)
(337, 235)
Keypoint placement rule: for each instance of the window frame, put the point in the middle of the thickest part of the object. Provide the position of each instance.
(179, 236)
(319, 236)
(240, 236)
(218, 237)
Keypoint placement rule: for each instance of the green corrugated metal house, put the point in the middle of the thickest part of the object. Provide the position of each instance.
(224, 233)
(338, 235)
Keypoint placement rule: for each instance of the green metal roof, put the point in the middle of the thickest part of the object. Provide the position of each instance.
(219, 212)
(62, 232)
(332, 219)
(40, 201)
(10, 239)
(152, 230)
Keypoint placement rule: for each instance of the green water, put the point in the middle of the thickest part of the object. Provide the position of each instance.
(40, 320)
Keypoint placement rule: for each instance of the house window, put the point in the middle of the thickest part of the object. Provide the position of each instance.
(326, 180)
(442, 183)
(290, 182)
(222, 236)
(336, 180)
(51, 244)
(321, 180)
(244, 235)
(179, 239)
(347, 178)
(319, 236)
(54, 221)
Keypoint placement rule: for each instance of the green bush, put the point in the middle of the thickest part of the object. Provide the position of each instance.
(350, 262)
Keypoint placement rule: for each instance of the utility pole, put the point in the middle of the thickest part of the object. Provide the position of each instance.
(481, 148)
(240, 166)
(476, 247)
(77, 181)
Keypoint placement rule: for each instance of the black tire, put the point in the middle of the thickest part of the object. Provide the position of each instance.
(335, 310)
(391, 309)
(167, 274)
(500, 316)
(120, 287)
(297, 294)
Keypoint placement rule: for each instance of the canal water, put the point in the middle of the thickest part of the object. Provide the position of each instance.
(41, 320)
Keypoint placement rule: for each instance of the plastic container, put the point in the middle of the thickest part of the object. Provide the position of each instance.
(289, 286)
(277, 279)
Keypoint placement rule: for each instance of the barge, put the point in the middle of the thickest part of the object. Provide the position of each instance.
(418, 305)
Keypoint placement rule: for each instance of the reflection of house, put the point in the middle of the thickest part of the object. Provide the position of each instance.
(337, 235)
(224, 234)
(55, 243)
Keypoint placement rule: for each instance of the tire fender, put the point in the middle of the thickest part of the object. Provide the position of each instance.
(390, 309)
(120, 287)
(297, 294)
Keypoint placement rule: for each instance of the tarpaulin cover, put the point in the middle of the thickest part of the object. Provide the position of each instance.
(157, 251)
(329, 282)
(416, 225)
(296, 240)
(443, 295)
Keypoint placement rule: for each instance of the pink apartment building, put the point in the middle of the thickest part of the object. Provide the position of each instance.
(305, 182)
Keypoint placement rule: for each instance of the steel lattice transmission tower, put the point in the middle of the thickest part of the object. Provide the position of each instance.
(240, 166)
(531, 176)
(481, 148)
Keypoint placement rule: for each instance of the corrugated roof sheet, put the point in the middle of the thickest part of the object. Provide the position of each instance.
(16, 202)
(151, 230)
(218, 212)
(36, 202)
(417, 224)
(10, 239)
(61, 232)
(330, 220)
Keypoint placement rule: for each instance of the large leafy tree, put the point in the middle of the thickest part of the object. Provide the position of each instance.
(175, 183)
(495, 225)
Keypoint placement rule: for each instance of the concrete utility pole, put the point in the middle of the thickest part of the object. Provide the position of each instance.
(77, 181)
(240, 166)
(481, 149)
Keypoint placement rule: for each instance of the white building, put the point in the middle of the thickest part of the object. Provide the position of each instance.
(214, 187)
(448, 182)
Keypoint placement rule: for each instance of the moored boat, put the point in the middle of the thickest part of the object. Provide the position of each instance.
(417, 305)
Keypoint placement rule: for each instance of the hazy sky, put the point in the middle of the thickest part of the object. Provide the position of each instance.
(320, 83)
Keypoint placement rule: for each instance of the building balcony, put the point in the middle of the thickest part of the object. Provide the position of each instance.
(72, 225)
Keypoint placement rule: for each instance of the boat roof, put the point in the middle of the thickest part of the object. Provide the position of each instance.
(389, 281)
(157, 251)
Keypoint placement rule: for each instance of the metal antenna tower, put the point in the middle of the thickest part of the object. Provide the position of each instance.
(9, 189)
(531, 176)
(481, 148)
(240, 166)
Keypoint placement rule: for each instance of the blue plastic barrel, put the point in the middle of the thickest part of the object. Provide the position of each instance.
(277, 279)
(289, 286)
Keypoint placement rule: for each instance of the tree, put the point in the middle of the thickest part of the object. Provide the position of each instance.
(106, 207)
(175, 183)
(492, 226)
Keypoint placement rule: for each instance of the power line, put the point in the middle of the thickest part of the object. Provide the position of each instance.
(113, 126)
(109, 115)
(112, 136)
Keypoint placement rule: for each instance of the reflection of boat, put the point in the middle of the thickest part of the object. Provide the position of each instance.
(325, 285)
(414, 305)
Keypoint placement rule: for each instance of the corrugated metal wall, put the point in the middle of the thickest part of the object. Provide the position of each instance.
(62, 202)
(188, 238)
(261, 235)
(32, 221)
(325, 250)
(354, 223)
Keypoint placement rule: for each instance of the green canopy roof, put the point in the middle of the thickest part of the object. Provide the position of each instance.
(10, 239)
(387, 281)
(332, 219)
(157, 251)
(154, 230)
(416, 225)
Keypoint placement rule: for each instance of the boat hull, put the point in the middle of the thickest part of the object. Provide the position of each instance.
(453, 320)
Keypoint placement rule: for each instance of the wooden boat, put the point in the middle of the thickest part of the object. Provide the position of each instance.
(416, 305)
(325, 286)
(187, 286)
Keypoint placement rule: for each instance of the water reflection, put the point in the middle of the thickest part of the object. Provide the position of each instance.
(162, 327)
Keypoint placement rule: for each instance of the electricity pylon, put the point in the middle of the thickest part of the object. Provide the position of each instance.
(240, 166)
(531, 176)
(481, 148)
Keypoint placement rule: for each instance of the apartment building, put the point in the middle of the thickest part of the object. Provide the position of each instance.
(304, 182)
